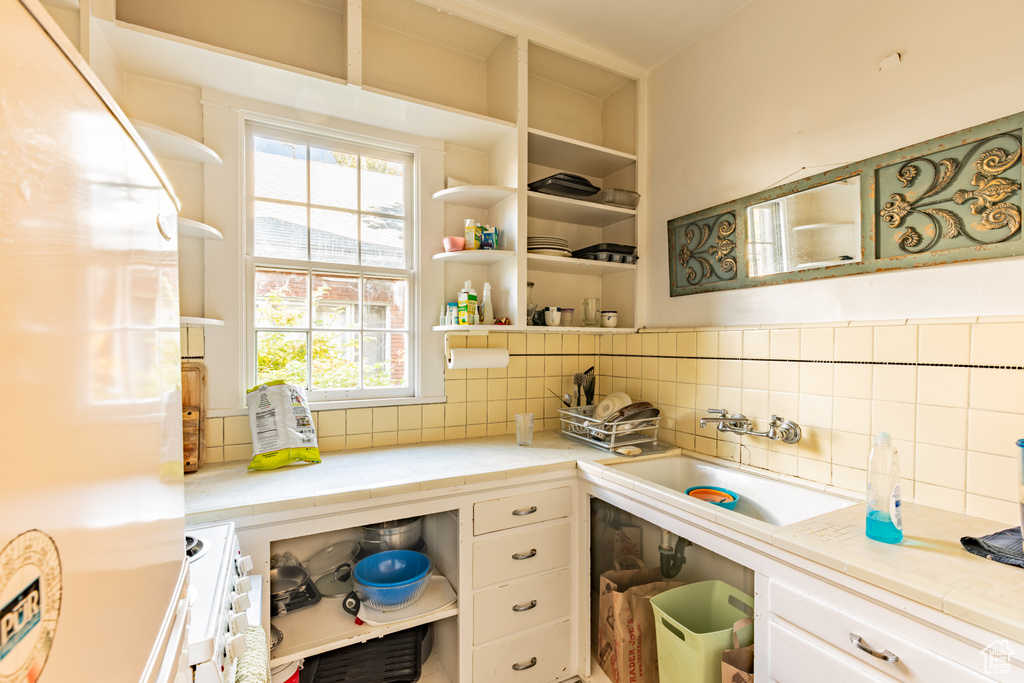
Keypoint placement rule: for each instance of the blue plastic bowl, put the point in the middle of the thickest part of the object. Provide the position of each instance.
(392, 579)
(715, 495)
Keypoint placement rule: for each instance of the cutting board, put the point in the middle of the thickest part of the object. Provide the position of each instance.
(193, 414)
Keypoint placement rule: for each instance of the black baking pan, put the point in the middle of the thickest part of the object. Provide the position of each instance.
(565, 185)
(604, 247)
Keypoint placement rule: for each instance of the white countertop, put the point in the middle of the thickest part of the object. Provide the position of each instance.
(227, 490)
(930, 566)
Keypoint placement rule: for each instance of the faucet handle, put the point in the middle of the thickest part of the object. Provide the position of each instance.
(718, 411)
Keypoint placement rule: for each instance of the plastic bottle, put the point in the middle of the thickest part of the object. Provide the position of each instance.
(467, 304)
(472, 239)
(486, 311)
(884, 516)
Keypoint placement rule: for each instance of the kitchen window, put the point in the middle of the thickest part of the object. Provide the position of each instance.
(330, 245)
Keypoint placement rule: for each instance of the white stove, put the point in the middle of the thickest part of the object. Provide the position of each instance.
(223, 600)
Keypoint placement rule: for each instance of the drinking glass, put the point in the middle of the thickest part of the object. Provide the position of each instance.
(524, 429)
(591, 312)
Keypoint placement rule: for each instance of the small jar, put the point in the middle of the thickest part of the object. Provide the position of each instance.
(609, 318)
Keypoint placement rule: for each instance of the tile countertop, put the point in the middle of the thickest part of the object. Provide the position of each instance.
(226, 491)
(930, 566)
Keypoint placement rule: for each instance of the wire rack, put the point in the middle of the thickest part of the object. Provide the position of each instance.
(579, 424)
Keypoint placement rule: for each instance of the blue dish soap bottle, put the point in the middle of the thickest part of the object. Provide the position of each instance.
(884, 516)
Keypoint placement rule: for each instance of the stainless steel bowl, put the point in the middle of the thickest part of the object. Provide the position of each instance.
(399, 534)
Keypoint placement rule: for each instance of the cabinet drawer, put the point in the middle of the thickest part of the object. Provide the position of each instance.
(520, 554)
(520, 605)
(526, 508)
(796, 659)
(837, 626)
(537, 657)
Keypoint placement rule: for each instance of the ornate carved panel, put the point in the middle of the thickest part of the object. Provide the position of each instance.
(704, 251)
(954, 198)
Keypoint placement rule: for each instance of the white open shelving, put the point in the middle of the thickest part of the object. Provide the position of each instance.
(557, 151)
(477, 196)
(197, 230)
(576, 266)
(580, 212)
(193, 321)
(475, 257)
(169, 144)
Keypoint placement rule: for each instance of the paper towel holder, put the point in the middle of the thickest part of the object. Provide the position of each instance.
(469, 333)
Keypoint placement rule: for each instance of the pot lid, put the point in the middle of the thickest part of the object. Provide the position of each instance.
(335, 584)
(330, 557)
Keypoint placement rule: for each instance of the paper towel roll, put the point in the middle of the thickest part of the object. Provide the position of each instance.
(469, 359)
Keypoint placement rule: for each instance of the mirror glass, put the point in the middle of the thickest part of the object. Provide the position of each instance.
(811, 229)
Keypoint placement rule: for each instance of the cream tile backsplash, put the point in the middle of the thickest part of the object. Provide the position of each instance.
(951, 393)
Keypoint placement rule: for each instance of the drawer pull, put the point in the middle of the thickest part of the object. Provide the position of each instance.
(862, 646)
(525, 607)
(522, 512)
(524, 667)
(524, 556)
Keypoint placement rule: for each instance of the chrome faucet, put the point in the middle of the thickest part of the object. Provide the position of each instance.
(779, 428)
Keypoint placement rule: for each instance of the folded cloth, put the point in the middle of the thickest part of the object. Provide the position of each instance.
(1002, 546)
(254, 664)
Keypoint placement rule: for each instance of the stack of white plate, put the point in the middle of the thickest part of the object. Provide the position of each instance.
(548, 246)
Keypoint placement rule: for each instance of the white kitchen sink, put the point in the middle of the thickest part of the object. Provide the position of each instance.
(769, 500)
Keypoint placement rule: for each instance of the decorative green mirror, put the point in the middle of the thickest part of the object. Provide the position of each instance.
(955, 198)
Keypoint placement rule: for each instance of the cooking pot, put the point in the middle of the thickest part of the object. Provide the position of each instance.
(399, 534)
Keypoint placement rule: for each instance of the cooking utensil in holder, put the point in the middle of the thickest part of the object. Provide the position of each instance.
(579, 424)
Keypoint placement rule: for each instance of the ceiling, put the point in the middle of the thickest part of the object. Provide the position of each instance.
(644, 32)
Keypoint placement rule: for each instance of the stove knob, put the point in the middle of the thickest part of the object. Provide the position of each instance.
(240, 603)
(244, 564)
(235, 647)
(239, 622)
(243, 585)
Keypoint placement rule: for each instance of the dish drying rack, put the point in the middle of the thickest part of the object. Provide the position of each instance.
(579, 424)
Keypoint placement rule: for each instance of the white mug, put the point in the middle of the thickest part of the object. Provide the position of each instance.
(552, 316)
(609, 318)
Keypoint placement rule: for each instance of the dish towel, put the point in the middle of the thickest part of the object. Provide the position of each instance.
(254, 664)
(1002, 546)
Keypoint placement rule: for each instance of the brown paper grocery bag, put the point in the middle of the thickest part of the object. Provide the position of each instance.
(738, 663)
(627, 648)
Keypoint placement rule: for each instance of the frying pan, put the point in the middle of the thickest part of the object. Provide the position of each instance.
(641, 410)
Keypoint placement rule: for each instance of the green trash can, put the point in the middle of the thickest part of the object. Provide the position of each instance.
(694, 624)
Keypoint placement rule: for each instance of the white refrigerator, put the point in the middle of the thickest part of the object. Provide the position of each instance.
(92, 568)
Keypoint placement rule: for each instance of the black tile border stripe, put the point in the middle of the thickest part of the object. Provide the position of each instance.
(972, 366)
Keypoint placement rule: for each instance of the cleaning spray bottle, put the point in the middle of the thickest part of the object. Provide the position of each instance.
(486, 310)
(884, 517)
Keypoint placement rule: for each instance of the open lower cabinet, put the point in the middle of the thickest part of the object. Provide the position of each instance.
(310, 620)
(625, 549)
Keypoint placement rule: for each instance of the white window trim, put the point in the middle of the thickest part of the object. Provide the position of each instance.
(225, 118)
(390, 152)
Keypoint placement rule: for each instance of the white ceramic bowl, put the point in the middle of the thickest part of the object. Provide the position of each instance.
(611, 403)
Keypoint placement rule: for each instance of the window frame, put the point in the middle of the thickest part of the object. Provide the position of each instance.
(387, 150)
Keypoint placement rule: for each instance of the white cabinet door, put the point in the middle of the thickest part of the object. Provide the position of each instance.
(536, 657)
(843, 628)
(520, 605)
(797, 659)
(520, 510)
(520, 554)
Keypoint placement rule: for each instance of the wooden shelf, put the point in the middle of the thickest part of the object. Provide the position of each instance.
(555, 151)
(474, 329)
(196, 230)
(567, 210)
(326, 626)
(477, 196)
(154, 54)
(189, 321)
(475, 257)
(576, 266)
(169, 144)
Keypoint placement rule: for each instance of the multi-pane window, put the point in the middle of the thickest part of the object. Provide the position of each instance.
(330, 233)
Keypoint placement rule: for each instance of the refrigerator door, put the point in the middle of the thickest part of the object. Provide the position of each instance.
(91, 506)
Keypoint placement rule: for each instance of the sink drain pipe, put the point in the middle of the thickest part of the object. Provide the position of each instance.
(672, 556)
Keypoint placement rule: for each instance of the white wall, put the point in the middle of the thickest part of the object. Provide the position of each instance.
(785, 85)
